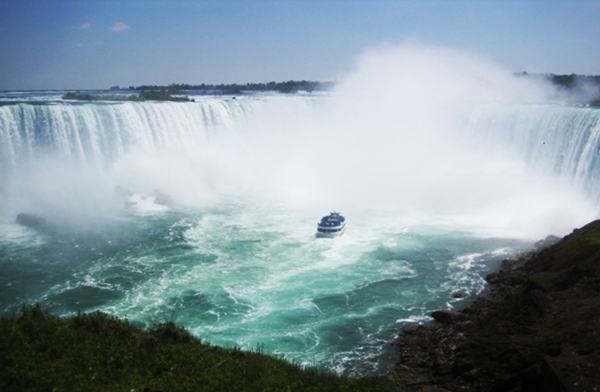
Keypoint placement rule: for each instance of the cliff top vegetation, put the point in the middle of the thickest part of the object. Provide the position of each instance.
(537, 329)
(583, 87)
(291, 86)
(98, 352)
(155, 95)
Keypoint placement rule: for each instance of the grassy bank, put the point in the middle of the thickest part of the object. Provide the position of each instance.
(97, 352)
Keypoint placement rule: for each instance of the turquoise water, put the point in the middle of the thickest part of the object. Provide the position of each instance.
(254, 277)
(434, 199)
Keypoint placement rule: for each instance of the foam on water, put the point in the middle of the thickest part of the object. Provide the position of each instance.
(250, 276)
(434, 157)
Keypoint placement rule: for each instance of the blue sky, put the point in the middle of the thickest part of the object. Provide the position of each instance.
(68, 44)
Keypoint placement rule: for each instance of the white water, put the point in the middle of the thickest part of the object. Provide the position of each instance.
(506, 162)
(442, 163)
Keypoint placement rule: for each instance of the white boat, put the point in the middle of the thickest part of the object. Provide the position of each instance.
(332, 225)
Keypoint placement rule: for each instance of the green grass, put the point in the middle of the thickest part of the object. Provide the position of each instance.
(98, 352)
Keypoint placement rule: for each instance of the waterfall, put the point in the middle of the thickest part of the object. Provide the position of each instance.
(560, 140)
(563, 141)
(57, 155)
(100, 133)
(276, 145)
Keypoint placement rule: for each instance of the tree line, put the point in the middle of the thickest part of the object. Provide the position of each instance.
(585, 85)
(291, 86)
(154, 95)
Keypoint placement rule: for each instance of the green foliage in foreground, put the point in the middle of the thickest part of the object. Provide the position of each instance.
(98, 352)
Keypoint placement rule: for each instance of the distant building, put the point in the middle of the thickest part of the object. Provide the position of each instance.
(115, 88)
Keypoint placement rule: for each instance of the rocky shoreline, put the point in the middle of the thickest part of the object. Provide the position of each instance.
(536, 329)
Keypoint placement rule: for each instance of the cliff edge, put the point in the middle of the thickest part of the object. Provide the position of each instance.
(537, 329)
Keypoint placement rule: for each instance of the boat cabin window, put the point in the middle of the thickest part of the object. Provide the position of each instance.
(328, 230)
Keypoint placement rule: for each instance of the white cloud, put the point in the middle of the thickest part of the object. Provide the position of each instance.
(83, 26)
(120, 27)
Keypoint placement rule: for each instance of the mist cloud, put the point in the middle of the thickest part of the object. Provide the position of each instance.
(119, 27)
(409, 134)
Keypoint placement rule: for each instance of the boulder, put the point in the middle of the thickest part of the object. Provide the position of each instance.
(162, 199)
(546, 242)
(446, 316)
(122, 192)
(31, 220)
(493, 278)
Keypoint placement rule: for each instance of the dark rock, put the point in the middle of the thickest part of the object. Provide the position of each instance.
(31, 220)
(446, 316)
(493, 278)
(471, 375)
(162, 199)
(547, 242)
(124, 195)
(443, 368)
(122, 192)
(550, 378)
(462, 365)
(536, 328)
(411, 329)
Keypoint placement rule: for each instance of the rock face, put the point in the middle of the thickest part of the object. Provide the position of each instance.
(538, 328)
(546, 242)
(123, 193)
(162, 199)
(31, 220)
(447, 316)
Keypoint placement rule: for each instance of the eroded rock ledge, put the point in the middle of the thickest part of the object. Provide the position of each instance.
(537, 329)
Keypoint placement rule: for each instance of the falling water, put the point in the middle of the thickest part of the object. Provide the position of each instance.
(205, 212)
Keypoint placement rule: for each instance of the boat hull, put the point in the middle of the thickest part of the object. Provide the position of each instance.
(330, 232)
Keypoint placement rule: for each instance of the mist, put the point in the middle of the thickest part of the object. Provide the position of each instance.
(395, 138)
(400, 122)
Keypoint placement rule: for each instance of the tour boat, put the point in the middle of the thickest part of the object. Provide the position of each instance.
(332, 225)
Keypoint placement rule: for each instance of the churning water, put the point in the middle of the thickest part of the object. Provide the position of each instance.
(205, 212)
